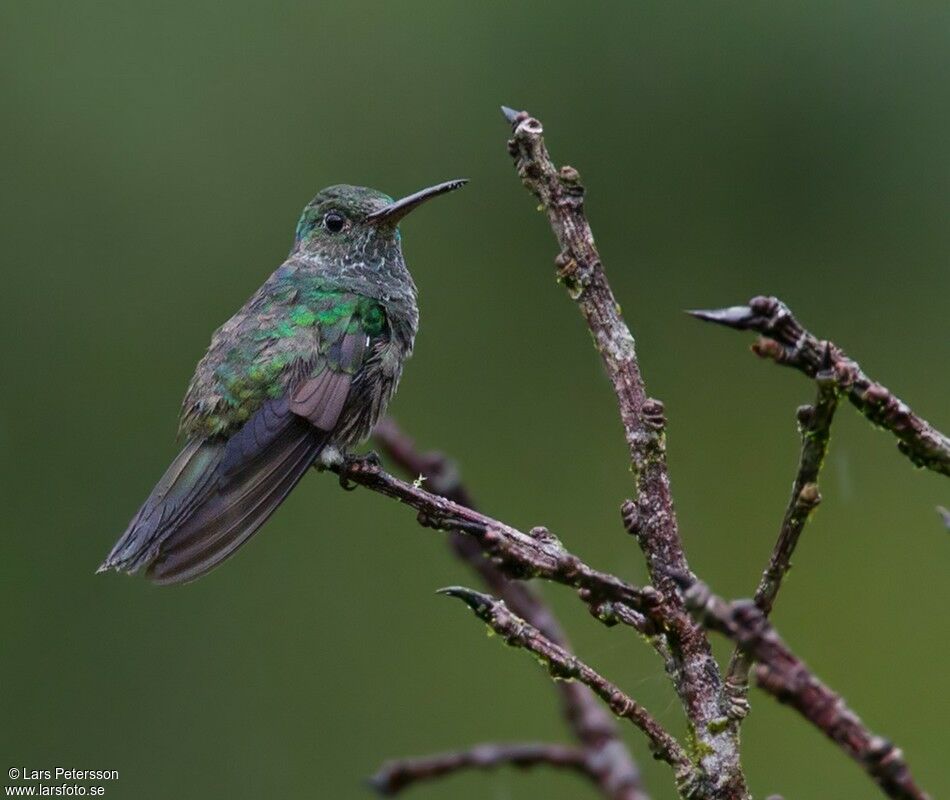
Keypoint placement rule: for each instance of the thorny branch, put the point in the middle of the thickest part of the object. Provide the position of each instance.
(562, 665)
(606, 759)
(650, 517)
(673, 615)
(785, 341)
(518, 558)
(537, 554)
(394, 776)
(786, 677)
(815, 427)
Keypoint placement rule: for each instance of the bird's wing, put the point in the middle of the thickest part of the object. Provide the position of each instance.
(258, 468)
(321, 395)
(219, 491)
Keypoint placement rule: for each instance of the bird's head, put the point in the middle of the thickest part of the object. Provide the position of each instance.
(355, 220)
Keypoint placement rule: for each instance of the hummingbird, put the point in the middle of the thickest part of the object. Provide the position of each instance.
(296, 378)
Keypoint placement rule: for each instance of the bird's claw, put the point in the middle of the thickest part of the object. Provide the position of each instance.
(354, 464)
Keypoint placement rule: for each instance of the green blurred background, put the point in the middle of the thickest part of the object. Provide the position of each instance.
(155, 157)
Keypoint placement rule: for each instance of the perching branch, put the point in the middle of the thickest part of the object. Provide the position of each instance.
(538, 554)
(815, 427)
(394, 776)
(786, 677)
(562, 665)
(651, 516)
(786, 342)
(605, 757)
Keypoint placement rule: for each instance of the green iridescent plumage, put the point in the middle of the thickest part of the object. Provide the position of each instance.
(302, 372)
(297, 326)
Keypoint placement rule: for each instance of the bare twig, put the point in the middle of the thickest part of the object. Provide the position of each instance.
(538, 554)
(440, 473)
(442, 478)
(674, 614)
(786, 342)
(606, 757)
(394, 776)
(651, 517)
(786, 677)
(562, 665)
(815, 427)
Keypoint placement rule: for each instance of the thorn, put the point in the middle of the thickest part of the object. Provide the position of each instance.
(455, 591)
(739, 317)
(476, 600)
(510, 114)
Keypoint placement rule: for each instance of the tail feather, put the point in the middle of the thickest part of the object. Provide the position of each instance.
(216, 495)
(234, 513)
(184, 486)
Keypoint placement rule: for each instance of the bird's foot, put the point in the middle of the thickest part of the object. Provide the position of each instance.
(354, 464)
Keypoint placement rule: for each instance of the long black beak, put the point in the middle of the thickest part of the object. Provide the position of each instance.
(396, 210)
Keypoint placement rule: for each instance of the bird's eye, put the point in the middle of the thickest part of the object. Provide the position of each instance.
(334, 221)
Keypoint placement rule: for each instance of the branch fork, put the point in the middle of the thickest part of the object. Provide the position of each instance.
(677, 611)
